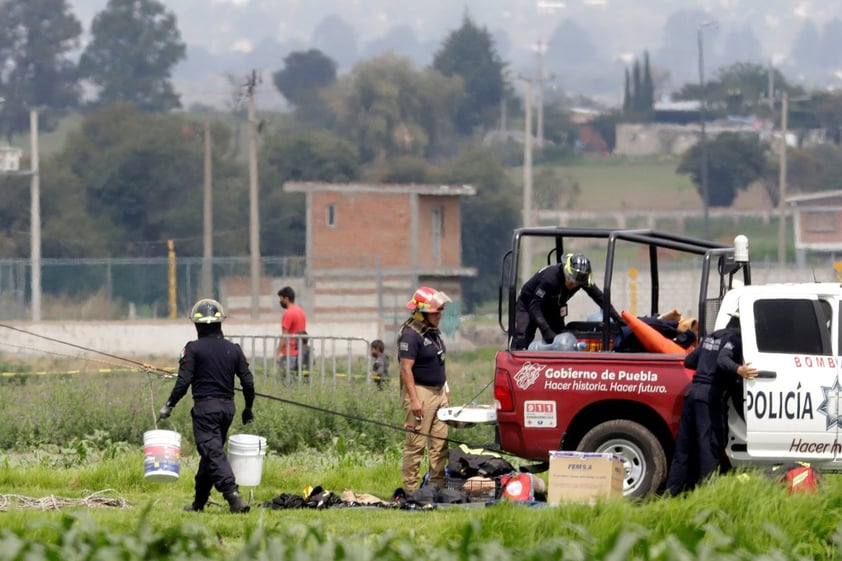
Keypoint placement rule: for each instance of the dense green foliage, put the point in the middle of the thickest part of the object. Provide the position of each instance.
(469, 53)
(36, 40)
(135, 45)
(387, 108)
(735, 161)
(304, 75)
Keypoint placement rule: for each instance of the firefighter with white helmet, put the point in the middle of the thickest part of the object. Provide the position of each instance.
(542, 303)
(208, 365)
(421, 353)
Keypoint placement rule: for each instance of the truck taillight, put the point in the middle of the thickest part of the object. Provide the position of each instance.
(503, 391)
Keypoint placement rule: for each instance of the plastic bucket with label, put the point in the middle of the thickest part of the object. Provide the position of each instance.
(162, 455)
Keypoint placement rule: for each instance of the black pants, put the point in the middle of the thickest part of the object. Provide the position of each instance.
(525, 326)
(211, 420)
(700, 440)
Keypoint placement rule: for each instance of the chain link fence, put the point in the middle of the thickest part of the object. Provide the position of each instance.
(121, 288)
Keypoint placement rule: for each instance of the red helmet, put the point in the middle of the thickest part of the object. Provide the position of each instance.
(428, 299)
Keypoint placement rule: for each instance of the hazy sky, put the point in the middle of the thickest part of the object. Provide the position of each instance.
(617, 28)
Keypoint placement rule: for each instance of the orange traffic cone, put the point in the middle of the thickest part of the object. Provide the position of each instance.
(650, 338)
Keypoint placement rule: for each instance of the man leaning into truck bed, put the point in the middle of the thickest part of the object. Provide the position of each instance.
(542, 303)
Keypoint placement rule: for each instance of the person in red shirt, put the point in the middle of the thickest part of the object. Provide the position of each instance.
(293, 321)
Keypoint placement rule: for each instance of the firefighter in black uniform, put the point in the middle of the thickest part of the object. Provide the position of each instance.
(702, 429)
(542, 303)
(209, 364)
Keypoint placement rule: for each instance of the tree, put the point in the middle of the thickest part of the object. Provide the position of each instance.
(36, 39)
(304, 75)
(735, 161)
(136, 44)
(469, 53)
(487, 219)
(387, 108)
(647, 87)
(627, 92)
(639, 96)
(137, 179)
(742, 88)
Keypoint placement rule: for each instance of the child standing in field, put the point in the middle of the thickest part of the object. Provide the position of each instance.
(380, 364)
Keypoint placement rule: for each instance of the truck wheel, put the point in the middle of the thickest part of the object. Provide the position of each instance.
(643, 456)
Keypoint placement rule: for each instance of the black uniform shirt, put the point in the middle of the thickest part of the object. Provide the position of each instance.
(717, 356)
(209, 364)
(546, 292)
(428, 353)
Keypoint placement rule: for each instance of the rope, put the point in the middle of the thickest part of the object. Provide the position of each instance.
(95, 500)
(141, 365)
(149, 369)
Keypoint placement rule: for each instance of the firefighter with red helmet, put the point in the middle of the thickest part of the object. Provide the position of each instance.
(542, 303)
(421, 354)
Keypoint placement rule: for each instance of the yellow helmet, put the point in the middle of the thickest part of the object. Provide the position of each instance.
(207, 310)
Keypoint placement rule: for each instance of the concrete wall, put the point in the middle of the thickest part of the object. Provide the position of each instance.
(148, 338)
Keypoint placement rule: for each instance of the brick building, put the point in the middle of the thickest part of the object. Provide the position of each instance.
(368, 246)
(817, 221)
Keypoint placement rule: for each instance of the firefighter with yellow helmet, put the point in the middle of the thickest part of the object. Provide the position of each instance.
(208, 365)
(421, 354)
(542, 303)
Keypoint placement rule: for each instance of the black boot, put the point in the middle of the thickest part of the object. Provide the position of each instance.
(199, 501)
(236, 502)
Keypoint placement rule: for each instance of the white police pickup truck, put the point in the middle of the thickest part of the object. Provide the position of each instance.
(791, 411)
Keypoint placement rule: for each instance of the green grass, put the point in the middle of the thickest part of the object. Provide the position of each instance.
(76, 453)
(734, 517)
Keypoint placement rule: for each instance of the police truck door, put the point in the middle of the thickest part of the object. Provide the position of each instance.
(791, 407)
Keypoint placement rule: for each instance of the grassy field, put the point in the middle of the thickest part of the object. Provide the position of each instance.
(70, 436)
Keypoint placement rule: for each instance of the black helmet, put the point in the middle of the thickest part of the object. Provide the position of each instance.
(577, 269)
(207, 311)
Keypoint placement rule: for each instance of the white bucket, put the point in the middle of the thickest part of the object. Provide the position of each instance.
(162, 453)
(246, 452)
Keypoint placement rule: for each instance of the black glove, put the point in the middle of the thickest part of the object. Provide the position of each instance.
(248, 416)
(549, 336)
(165, 412)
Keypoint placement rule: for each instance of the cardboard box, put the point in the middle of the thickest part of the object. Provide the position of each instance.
(584, 476)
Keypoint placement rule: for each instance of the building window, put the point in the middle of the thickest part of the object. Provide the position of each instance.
(438, 232)
(821, 221)
(331, 216)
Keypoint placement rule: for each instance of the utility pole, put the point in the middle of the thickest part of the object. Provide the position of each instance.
(702, 102)
(526, 249)
(254, 217)
(207, 234)
(35, 217)
(782, 181)
(771, 88)
(539, 102)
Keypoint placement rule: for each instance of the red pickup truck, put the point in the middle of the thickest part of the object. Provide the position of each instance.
(605, 400)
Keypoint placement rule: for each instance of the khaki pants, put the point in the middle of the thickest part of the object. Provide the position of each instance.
(433, 399)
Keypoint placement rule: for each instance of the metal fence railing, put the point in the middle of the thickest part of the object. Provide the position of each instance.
(326, 359)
